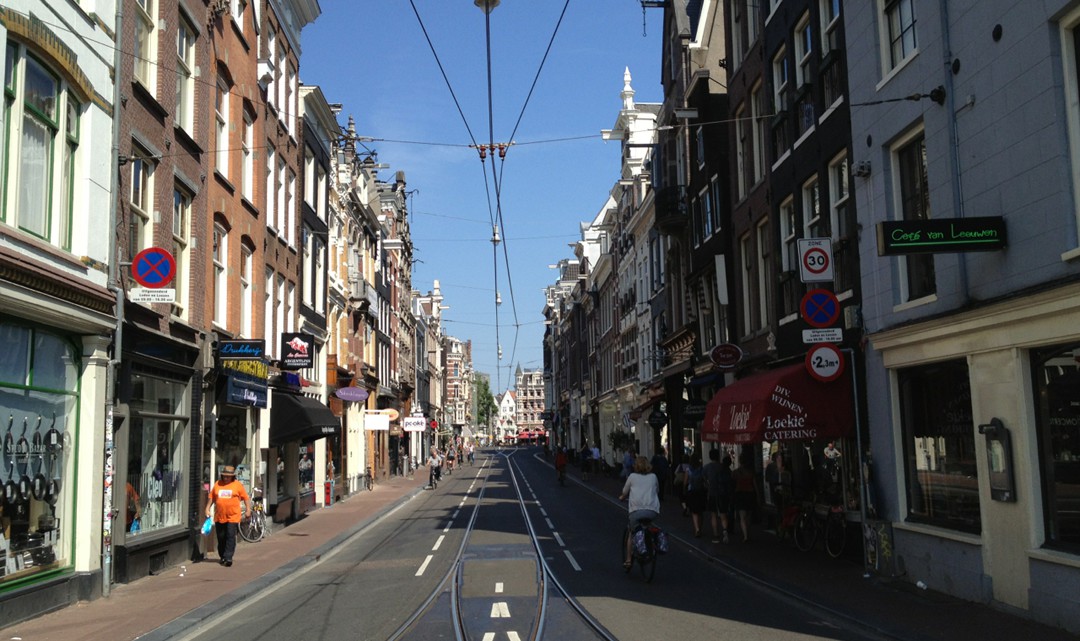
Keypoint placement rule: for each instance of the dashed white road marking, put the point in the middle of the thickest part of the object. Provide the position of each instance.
(558, 539)
(454, 515)
(542, 512)
(423, 566)
(513, 636)
(550, 525)
(449, 525)
(573, 562)
(500, 610)
(498, 587)
(489, 636)
(438, 542)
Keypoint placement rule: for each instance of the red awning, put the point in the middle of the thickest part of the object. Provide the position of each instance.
(782, 405)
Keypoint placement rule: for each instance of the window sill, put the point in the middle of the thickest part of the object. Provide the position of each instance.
(1055, 556)
(146, 98)
(249, 206)
(1071, 255)
(892, 73)
(939, 532)
(183, 136)
(918, 302)
(224, 181)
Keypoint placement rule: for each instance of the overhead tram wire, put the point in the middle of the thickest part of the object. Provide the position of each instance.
(494, 178)
(502, 171)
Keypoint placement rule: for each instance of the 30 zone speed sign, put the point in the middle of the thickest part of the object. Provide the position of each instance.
(815, 260)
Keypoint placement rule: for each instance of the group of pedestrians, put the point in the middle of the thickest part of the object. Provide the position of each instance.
(728, 496)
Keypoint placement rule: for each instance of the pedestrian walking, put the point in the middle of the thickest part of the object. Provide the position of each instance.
(680, 485)
(718, 483)
(225, 499)
(745, 497)
(586, 460)
(662, 469)
(696, 493)
(560, 465)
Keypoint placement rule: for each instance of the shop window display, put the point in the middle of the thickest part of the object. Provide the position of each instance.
(157, 459)
(38, 406)
(939, 446)
(1056, 374)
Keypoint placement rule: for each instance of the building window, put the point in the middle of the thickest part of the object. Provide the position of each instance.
(738, 43)
(141, 198)
(707, 215)
(1070, 61)
(307, 241)
(238, 7)
(309, 177)
(185, 78)
(42, 117)
(838, 197)
(804, 48)
(281, 216)
(247, 292)
(1056, 375)
(744, 151)
(899, 18)
(830, 25)
(157, 449)
(271, 187)
(145, 49)
(279, 309)
(289, 106)
(247, 158)
(753, 21)
(789, 225)
(289, 216)
(938, 436)
(181, 232)
(320, 276)
(913, 202)
(268, 311)
(221, 283)
(717, 202)
(221, 142)
(320, 192)
(39, 389)
(699, 142)
(764, 293)
(760, 132)
(814, 225)
(781, 74)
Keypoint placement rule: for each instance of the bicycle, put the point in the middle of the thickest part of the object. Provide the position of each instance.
(253, 526)
(816, 519)
(646, 559)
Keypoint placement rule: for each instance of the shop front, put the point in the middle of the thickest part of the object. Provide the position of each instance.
(297, 424)
(39, 404)
(157, 456)
(801, 432)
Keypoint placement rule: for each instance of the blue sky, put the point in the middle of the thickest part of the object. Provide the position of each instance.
(372, 56)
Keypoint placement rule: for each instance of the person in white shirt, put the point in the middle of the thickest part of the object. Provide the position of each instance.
(643, 503)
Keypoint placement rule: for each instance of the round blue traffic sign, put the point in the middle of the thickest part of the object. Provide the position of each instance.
(820, 308)
(153, 268)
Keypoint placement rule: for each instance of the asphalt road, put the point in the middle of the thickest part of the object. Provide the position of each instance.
(370, 586)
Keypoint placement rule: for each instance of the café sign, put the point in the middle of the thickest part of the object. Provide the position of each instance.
(940, 236)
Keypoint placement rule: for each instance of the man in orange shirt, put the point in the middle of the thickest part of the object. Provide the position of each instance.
(225, 498)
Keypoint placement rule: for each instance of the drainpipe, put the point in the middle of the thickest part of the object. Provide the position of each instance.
(116, 287)
(954, 141)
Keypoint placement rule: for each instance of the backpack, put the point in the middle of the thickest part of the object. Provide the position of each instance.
(695, 480)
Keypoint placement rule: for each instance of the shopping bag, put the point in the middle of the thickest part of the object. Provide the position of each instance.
(135, 526)
(207, 526)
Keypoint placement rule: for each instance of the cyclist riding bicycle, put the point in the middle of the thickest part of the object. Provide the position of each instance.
(644, 503)
(434, 463)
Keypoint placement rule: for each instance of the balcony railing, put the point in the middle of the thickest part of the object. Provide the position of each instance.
(672, 209)
(361, 292)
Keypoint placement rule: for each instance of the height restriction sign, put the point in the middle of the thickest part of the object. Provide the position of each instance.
(815, 260)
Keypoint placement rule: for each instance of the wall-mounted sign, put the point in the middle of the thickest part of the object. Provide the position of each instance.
(815, 260)
(940, 236)
(415, 424)
(297, 350)
(357, 394)
(241, 350)
(726, 355)
(153, 267)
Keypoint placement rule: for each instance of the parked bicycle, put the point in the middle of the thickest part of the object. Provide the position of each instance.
(644, 548)
(253, 526)
(817, 519)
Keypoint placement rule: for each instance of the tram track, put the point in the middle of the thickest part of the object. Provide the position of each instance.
(528, 601)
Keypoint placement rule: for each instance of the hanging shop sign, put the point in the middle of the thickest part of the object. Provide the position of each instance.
(940, 236)
(357, 394)
(657, 419)
(252, 350)
(297, 350)
(726, 355)
(245, 382)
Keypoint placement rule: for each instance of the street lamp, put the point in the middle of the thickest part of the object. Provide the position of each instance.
(486, 5)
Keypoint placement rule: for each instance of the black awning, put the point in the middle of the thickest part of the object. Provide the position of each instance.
(299, 418)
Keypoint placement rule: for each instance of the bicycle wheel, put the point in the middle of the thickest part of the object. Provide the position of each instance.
(805, 530)
(835, 534)
(647, 561)
(622, 551)
(250, 528)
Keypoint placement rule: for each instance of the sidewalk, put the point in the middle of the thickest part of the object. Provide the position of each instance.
(163, 606)
(891, 607)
